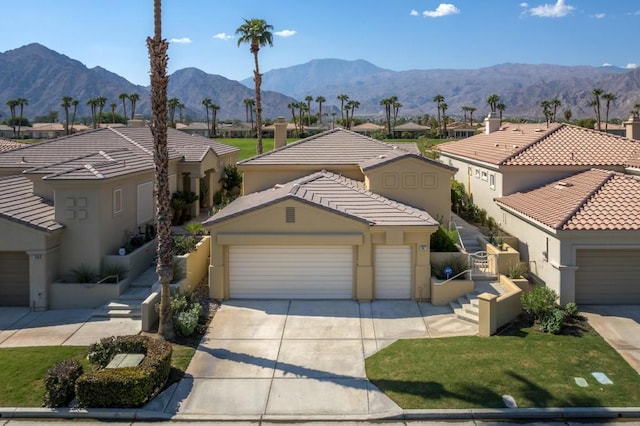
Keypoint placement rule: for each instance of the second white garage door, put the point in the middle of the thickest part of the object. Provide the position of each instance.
(291, 272)
(393, 275)
(608, 277)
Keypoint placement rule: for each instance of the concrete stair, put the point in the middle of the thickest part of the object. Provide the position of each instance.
(129, 303)
(466, 308)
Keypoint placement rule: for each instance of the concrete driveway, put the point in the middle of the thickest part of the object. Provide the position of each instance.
(284, 359)
(619, 325)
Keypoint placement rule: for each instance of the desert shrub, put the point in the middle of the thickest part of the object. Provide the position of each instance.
(186, 321)
(553, 320)
(183, 244)
(517, 270)
(458, 264)
(539, 301)
(444, 240)
(571, 309)
(126, 387)
(60, 383)
(84, 274)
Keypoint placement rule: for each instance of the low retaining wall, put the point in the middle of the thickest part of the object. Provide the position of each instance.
(195, 264)
(149, 314)
(84, 295)
(496, 311)
(502, 260)
(135, 263)
(444, 292)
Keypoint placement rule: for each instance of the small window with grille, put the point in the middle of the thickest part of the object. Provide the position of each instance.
(290, 215)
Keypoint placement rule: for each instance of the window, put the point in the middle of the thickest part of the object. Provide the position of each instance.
(485, 175)
(117, 201)
(477, 173)
(290, 215)
(492, 181)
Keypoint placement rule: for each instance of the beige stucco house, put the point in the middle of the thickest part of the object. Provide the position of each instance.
(71, 201)
(337, 215)
(568, 193)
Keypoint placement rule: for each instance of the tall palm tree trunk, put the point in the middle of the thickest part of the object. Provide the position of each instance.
(258, 80)
(159, 80)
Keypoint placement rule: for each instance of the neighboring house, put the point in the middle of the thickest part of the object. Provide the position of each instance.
(44, 130)
(367, 128)
(568, 193)
(460, 130)
(8, 144)
(410, 129)
(68, 202)
(195, 128)
(337, 215)
(6, 131)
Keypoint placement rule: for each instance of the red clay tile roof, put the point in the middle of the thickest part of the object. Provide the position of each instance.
(536, 145)
(8, 145)
(592, 200)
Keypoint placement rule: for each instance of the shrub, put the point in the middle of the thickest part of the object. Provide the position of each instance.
(60, 383)
(443, 240)
(571, 309)
(458, 264)
(126, 387)
(185, 322)
(539, 301)
(517, 270)
(552, 321)
(183, 244)
(84, 274)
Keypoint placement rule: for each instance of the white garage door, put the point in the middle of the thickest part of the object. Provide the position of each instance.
(393, 272)
(608, 277)
(14, 279)
(291, 272)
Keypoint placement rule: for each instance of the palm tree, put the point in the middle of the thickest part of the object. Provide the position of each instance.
(351, 105)
(247, 105)
(593, 104)
(159, 80)
(386, 103)
(444, 107)
(438, 99)
(22, 102)
(493, 101)
(500, 107)
(302, 108)
(251, 104)
(134, 98)
(555, 103)
(567, 115)
(257, 33)
(292, 106)
(12, 104)
(214, 114)
(113, 107)
(396, 108)
(74, 103)
(465, 109)
(172, 104)
(123, 97)
(93, 103)
(308, 99)
(342, 98)
(66, 104)
(546, 111)
(207, 104)
(596, 92)
(471, 111)
(101, 101)
(608, 97)
(180, 108)
(320, 100)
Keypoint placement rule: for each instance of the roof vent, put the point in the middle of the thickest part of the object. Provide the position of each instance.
(562, 184)
(382, 156)
(277, 186)
(23, 161)
(516, 147)
(537, 130)
(496, 145)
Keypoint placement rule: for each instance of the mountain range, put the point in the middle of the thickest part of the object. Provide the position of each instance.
(44, 76)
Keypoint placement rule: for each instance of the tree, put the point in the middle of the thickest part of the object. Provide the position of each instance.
(386, 103)
(320, 100)
(100, 102)
(500, 107)
(444, 107)
(66, 104)
(465, 109)
(471, 111)
(257, 33)
(180, 109)
(396, 109)
(74, 103)
(214, 115)
(123, 97)
(134, 98)
(12, 104)
(207, 104)
(596, 92)
(546, 111)
(302, 108)
(353, 105)
(493, 101)
(555, 103)
(172, 104)
(247, 106)
(342, 98)
(608, 97)
(158, 59)
(567, 115)
(113, 107)
(308, 99)
(251, 103)
(21, 102)
(292, 106)
(438, 99)
(93, 104)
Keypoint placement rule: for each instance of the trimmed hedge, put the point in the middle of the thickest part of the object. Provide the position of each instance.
(60, 383)
(128, 387)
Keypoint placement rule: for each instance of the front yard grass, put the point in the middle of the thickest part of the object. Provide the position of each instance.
(537, 369)
(248, 145)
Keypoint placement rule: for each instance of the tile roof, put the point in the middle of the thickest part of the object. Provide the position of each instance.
(8, 144)
(535, 145)
(592, 200)
(105, 153)
(337, 146)
(19, 204)
(410, 126)
(396, 154)
(333, 192)
(367, 126)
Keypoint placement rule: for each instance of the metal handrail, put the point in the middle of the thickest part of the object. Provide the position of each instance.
(452, 278)
(109, 277)
(455, 226)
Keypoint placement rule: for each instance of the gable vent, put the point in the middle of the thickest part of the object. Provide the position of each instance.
(290, 215)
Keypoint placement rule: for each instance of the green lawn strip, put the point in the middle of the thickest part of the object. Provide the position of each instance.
(537, 369)
(22, 370)
(248, 145)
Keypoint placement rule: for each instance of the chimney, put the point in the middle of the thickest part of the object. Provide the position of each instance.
(632, 127)
(491, 123)
(280, 133)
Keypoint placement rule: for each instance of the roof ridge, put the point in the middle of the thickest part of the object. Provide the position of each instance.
(532, 144)
(131, 141)
(610, 175)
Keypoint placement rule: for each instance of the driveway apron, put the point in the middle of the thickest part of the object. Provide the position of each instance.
(291, 358)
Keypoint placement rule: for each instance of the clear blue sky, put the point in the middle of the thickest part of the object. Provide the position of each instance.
(393, 34)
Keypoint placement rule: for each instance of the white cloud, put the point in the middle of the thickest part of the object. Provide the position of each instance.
(607, 64)
(223, 36)
(413, 12)
(285, 33)
(181, 40)
(599, 15)
(444, 9)
(558, 10)
(631, 66)
(523, 4)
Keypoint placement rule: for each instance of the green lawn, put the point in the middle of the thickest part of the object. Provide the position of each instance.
(23, 370)
(537, 369)
(248, 145)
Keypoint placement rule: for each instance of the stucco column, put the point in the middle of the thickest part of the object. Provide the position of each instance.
(38, 279)
(488, 322)
(212, 182)
(195, 187)
(217, 272)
